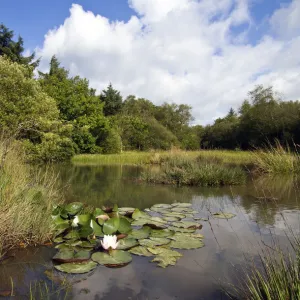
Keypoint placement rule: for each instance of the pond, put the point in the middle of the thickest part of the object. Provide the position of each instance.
(263, 207)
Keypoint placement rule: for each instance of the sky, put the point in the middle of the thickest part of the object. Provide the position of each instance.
(204, 53)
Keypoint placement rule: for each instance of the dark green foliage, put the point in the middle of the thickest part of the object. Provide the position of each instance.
(14, 49)
(112, 101)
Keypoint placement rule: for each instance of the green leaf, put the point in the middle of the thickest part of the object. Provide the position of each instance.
(76, 268)
(124, 226)
(68, 256)
(182, 205)
(186, 242)
(174, 214)
(115, 258)
(126, 211)
(84, 232)
(127, 243)
(98, 212)
(141, 251)
(58, 240)
(153, 222)
(182, 210)
(187, 224)
(115, 208)
(97, 228)
(111, 226)
(74, 208)
(164, 252)
(163, 206)
(138, 234)
(83, 220)
(164, 261)
(179, 229)
(161, 233)
(72, 235)
(171, 219)
(137, 214)
(152, 242)
(88, 244)
(221, 215)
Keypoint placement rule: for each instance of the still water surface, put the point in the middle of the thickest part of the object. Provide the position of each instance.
(199, 274)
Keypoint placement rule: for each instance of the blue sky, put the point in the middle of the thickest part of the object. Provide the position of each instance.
(204, 53)
(32, 19)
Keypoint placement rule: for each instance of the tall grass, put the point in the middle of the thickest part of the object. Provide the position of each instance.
(26, 201)
(157, 157)
(277, 160)
(179, 170)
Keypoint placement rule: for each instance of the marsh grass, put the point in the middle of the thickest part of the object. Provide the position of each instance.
(184, 170)
(158, 157)
(277, 160)
(26, 202)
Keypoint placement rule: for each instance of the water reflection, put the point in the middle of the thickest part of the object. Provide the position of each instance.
(263, 206)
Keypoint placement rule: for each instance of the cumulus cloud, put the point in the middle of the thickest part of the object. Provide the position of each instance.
(183, 51)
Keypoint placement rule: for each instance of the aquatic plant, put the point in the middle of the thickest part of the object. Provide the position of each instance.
(83, 238)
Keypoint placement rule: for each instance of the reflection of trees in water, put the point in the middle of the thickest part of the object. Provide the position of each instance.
(97, 185)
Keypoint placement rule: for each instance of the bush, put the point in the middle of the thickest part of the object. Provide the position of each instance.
(112, 143)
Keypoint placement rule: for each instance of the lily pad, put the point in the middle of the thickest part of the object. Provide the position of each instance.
(182, 236)
(83, 220)
(58, 240)
(174, 214)
(137, 214)
(159, 210)
(98, 212)
(186, 242)
(141, 251)
(171, 219)
(124, 226)
(161, 233)
(88, 244)
(164, 261)
(74, 208)
(68, 256)
(179, 229)
(163, 206)
(152, 242)
(164, 252)
(116, 258)
(76, 268)
(181, 210)
(111, 226)
(153, 222)
(127, 243)
(96, 228)
(185, 205)
(126, 211)
(72, 235)
(142, 233)
(187, 224)
(84, 232)
(221, 215)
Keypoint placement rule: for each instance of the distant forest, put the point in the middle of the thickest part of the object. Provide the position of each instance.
(54, 116)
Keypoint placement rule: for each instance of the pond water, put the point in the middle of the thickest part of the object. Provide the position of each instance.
(263, 207)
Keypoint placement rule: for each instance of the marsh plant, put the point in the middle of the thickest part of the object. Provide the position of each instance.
(26, 201)
(182, 170)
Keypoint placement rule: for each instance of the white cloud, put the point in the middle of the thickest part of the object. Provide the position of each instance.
(184, 51)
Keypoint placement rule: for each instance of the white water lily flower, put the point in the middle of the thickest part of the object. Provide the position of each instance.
(109, 241)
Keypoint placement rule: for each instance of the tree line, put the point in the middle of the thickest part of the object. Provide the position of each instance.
(55, 115)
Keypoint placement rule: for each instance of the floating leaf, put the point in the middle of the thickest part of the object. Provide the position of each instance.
(98, 212)
(184, 205)
(159, 210)
(72, 235)
(64, 247)
(76, 268)
(68, 256)
(137, 214)
(96, 228)
(224, 215)
(186, 230)
(164, 261)
(126, 211)
(187, 224)
(74, 243)
(141, 251)
(88, 244)
(181, 236)
(127, 243)
(142, 233)
(186, 242)
(161, 206)
(115, 258)
(174, 214)
(153, 222)
(58, 240)
(111, 226)
(85, 232)
(152, 242)
(124, 226)
(115, 208)
(164, 252)
(200, 219)
(83, 220)
(171, 219)
(161, 233)
(74, 208)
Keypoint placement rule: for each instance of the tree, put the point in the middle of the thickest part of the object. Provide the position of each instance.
(112, 101)
(14, 50)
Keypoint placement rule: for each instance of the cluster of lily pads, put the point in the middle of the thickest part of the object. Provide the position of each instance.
(108, 236)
